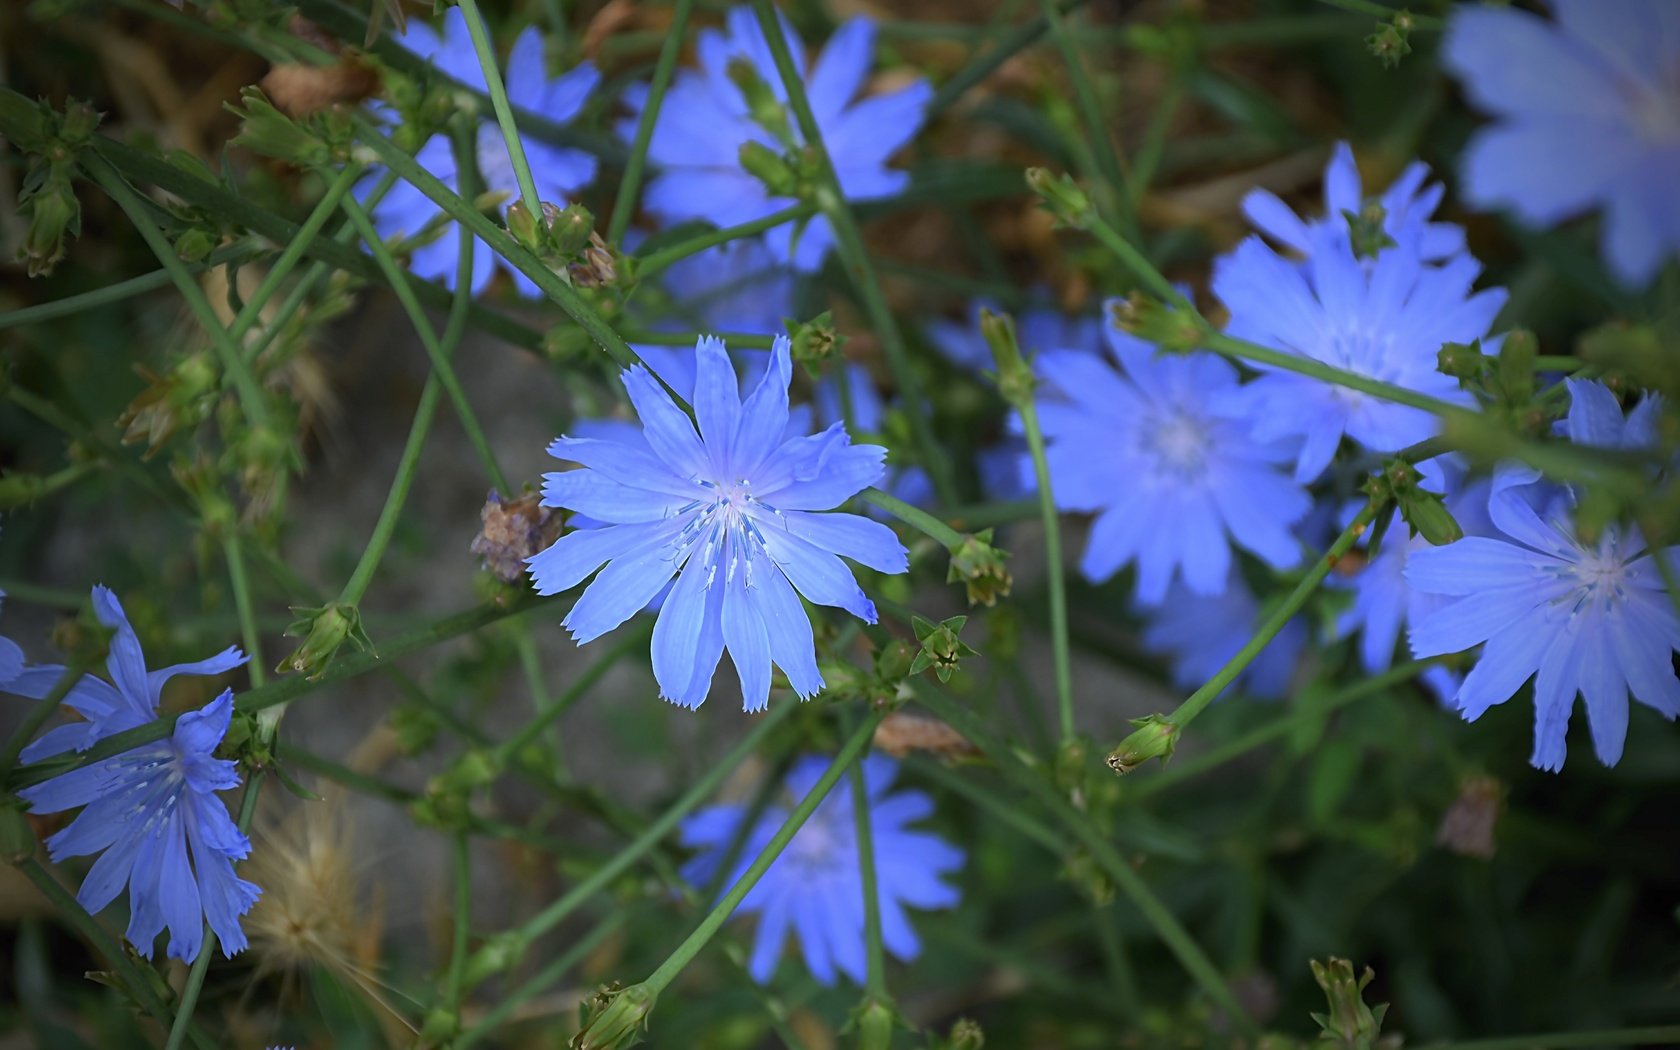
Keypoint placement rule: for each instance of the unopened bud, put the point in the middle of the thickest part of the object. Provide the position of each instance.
(54, 217)
(1154, 737)
(1517, 354)
(765, 109)
(1349, 1022)
(613, 1018)
(323, 630)
(523, 225)
(264, 129)
(1465, 362)
(814, 341)
(1389, 44)
(979, 567)
(941, 649)
(966, 1035)
(568, 228)
(1061, 197)
(1150, 319)
(875, 1022)
(20, 490)
(770, 168)
(1367, 229)
(1014, 377)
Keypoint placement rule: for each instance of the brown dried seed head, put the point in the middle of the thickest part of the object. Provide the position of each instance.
(513, 530)
(901, 733)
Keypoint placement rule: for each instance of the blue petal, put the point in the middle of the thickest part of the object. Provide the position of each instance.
(622, 589)
(772, 934)
(1555, 686)
(200, 732)
(574, 556)
(221, 663)
(1605, 690)
(145, 900)
(677, 637)
(183, 911)
(820, 576)
(592, 493)
(840, 68)
(631, 464)
(764, 417)
(1510, 657)
(792, 645)
(1476, 564)
(127, 663)
(717, 404)
(848, 535)
(819, 472)
(748, 645)
(668, 430)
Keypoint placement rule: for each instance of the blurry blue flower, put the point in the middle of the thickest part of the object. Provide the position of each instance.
(1588, 114)
(1577, 617)
(558, 171)
(1408, 206)
(1173, 479)
(1200, 633)
(814, 889)
(735, 287)
(908, 482)
(11, 658)
(1038, 329)
(153, 815)
(128, 700)
(1383, 602)
(704, 121)
(727, 510)
(1383, 318)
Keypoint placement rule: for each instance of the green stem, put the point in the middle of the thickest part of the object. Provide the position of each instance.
(1197, 701)
(507, 1003)
(138, 984)
(575, 690)
(38, 715)
(1213, 758)
(499, 103)
(875, 981)
(603, 876)
(294, 252)
(201, 965)
(235, 554)
(243, 251)
(735, 340)
(1671, 580)
(1166, 925)
(915, 517)
(982, 66)
(441, 368)
(853, 750)
(831, 201)
(1109, 172)
(1028, 409)
(654, 262)
(499, 240)
(455, 984)
(1367, 7)
(251, 397)
(288, 689)
(630, 184)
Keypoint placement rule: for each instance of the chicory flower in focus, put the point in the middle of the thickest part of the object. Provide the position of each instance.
(815, 889)
(729, 510)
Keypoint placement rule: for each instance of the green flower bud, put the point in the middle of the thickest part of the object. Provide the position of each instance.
(813, 341)
(613, 1018)
(54, 214)
(1152, 320)
(875, 1021)
(1062, 198)
(762, 105)
(1155, 737)
(979, 567)
(1390, 43)
(77, 126)
(1350, 1022)
(523, 225)
(265, 130)
(966, 1035)
(569, 228)
(1014, 378)
(941, 649)
(27, 125)
(1365, 229)
(1515, 369)
(1464, 362)
(194, 244)
(770, 168)
(441, 1025)
(323, 630)
(500, 953)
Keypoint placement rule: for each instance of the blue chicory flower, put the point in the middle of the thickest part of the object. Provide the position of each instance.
(704, 121)
(1578, 617)
(1408, 206)
(728, 510)
(814, 889)
(1200, 633)
(1384, 318)
(129, 699)
(1587, 111)
(908, 482)
(558, 171)
(1140, 440)
(154, 817)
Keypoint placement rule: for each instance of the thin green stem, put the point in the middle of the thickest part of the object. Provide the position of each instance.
(243, 251)
(736, 340)
(1376, 10)
(1028, 409)
(441, 368)
(506, 1004)
(655, 832)
(655, 262)
(201, 965)
(1109, 173)
(1160, 917)
(499, 103)
(38, 715)
(1189, 768)
(499, 240)
(575, 689)
(233, 551)
(287, 689)
(982, 66)
(295, 250)
(455, 983)
(915, 517)
(251, 397)
(853, 750)
(875, 981)
(831, 201)
(1197, 701)
(630, 184)
(138, 984)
